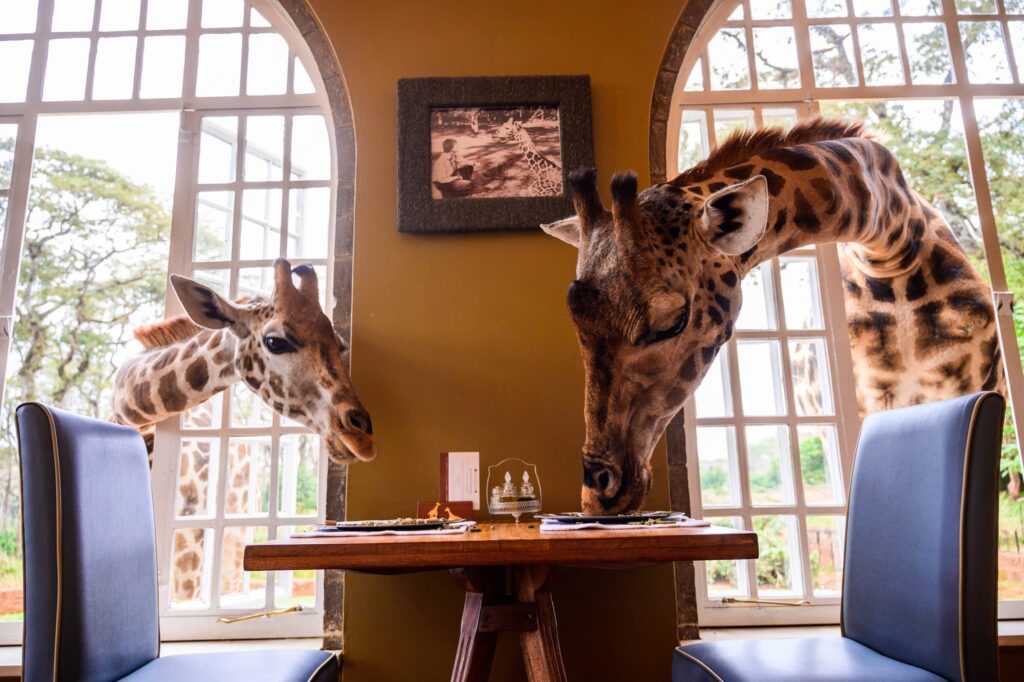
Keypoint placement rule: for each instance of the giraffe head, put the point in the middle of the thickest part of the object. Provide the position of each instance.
(287, 352)
(656, 294)
(508, 130)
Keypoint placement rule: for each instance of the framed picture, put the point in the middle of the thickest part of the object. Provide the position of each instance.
(479, 154)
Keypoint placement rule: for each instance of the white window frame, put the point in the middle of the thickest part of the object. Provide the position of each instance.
(963, 91)
(191, 107)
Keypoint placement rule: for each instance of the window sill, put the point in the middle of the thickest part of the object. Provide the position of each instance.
(1011, 632)
(10, 656)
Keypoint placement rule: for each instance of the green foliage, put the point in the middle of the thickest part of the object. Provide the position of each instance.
(812, 461)
(773, 561)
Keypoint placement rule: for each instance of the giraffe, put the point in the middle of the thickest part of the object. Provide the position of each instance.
(283, 348)
(547, 175)
(657, 291)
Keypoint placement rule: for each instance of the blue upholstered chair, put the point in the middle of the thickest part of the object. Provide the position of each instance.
(919, 585)
(90, 565)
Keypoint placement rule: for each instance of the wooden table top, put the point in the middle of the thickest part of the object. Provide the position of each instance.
(503, 544)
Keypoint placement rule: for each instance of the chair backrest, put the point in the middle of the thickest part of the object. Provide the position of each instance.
(920, 570)
(90, 554)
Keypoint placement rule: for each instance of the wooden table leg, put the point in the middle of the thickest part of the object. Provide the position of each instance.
(476, 647)
(542, 652)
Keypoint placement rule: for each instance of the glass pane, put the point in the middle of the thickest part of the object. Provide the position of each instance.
(190, 568)
(985, 52)
(1017, 42)
(872, 8)
(693, 138)
(768, 465)
(303, 84)
(247, 482)
(695, 81)
(928, 51)
(728, 121)
(309, 217)
(8, 138)
(819, 464)
(248, 409)
(16, 56)
(119, 15)
(264, 147)
(775, 58)
(728, 59)
(66, 65)
(255, 281)
(726, 578)
(261, 224)
(71, 15)
(115, 68)
(713, 397)
(1014, 6)
(268, 65)
(311, 150)
(778, 563)
(166, 14)
(17, 16)
(817, 9)
(218, 280)
(920, 8)
(760, 373)
(222, 13)
(758, 309)
(220, 64)
(801, 295)
(832, 52)
(240, 589)
(217, 149)
(880, 54)
(213, 226)
(771, 9)
(826, 544)
(737, 14)
(975, 6)
(294, 587)
(812, 384)
(298, 471)
(257, 20)
(205, 415)
(719, 473)
(197, 465)
(163, 64)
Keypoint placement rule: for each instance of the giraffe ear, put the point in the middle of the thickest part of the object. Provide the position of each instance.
(567, 229)
(204, 306)
(736, 217)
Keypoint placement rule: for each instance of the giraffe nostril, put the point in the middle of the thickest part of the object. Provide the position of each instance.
(360, 421)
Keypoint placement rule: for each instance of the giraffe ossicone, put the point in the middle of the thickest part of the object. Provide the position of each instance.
(657, 289)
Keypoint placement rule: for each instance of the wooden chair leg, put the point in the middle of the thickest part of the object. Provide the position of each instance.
(476, 649)
(542, 652)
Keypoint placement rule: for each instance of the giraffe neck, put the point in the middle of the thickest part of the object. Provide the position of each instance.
(168, 380)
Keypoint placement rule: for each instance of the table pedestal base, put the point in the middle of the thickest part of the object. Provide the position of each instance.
(508, 599)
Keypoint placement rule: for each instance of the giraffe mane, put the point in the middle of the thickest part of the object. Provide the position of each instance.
(166, 332)
(741, 145)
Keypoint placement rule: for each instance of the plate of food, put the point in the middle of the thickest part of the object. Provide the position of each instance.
(377, 525)
(628, 517)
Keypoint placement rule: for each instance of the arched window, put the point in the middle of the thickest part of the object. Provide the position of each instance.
(193, 136)
(942, 81)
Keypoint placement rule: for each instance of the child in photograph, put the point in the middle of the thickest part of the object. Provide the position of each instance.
(450, 174)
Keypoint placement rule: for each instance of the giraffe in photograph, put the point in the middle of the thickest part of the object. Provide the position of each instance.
(546, 175)
(283, 348)
(657, 290)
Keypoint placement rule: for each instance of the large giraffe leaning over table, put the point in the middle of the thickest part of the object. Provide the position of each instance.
(657, 290)
(283, 348)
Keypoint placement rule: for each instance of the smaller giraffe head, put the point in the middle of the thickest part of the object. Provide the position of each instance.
(287, 352)
(654, 298)
(509, 129)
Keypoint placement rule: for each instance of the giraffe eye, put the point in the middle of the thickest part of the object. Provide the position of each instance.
(278, 345)
(675, 330)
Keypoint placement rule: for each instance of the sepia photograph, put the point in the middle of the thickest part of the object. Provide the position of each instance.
(488, 153)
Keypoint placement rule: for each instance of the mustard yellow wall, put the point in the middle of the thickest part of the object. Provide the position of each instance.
(463, 342)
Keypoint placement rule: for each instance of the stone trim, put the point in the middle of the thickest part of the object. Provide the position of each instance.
(690, 19)
(344, 226)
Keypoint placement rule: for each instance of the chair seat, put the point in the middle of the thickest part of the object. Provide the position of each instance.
(270, 665)
(815, 659)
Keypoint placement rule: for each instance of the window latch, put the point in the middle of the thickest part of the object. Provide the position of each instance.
(767, 602)
(262, 614)
(1003, 301)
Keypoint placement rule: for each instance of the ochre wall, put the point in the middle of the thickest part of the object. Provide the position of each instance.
(462, 342)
